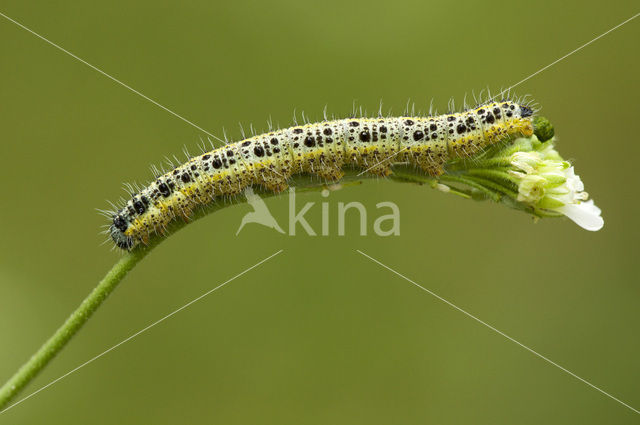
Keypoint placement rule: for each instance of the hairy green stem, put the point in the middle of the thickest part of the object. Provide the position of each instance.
(495, 196)
(70, 327)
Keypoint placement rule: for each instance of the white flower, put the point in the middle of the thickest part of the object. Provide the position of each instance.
(585, 214)
(547, 182)
(575, 202)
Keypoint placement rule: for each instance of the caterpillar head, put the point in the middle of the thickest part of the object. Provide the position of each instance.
(117, 231)
(525, 111)
(517, 118)
(512, 110)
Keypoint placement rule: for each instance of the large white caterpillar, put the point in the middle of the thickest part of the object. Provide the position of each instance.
(321, 149)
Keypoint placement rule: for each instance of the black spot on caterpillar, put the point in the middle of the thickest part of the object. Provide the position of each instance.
(321, 149)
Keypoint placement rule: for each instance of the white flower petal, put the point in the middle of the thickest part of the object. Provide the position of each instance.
(573, 180)
(585, 214)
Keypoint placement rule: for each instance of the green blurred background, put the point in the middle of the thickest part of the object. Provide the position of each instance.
(319, 334)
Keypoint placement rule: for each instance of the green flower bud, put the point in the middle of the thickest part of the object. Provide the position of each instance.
(543, 129)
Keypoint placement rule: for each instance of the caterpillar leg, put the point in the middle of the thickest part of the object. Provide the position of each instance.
(329, 173)
(429, 160)
(144, 238)
(185, 213)
(430, 164)
(371, 161)
(434, 170)
(379, 166)
(275, 180)
(275, 184)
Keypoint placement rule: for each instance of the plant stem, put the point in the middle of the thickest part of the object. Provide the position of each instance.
(70, 327)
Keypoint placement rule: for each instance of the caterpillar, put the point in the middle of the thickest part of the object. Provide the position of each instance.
(322, 149)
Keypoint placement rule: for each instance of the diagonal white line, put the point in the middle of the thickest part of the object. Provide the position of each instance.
(141, 331)
(384, 160)
(110, 77)
(497, 331)
(567, 55)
